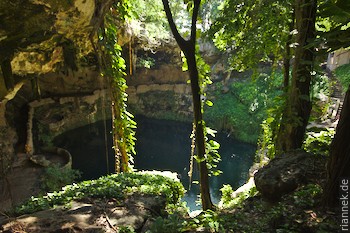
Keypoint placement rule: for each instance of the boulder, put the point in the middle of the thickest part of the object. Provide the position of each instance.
(287, 172)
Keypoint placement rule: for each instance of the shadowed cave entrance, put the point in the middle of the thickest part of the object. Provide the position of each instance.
(161, 145)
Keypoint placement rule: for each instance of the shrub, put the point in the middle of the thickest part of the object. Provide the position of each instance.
(112, 186)
(343, 74)
(55, 177)
(227, 201)
(319, 143)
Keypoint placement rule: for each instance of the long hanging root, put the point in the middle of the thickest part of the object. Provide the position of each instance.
(193, 146)
(117, 160)
(117, 153)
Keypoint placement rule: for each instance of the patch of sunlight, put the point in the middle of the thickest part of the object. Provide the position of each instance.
(169, 174)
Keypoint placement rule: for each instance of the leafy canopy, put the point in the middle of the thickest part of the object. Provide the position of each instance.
(252, 30)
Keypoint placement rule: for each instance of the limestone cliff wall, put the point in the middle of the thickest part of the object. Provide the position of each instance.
(47, 64)
(163, 90)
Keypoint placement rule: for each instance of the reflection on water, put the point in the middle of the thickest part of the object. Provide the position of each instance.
(161, 145)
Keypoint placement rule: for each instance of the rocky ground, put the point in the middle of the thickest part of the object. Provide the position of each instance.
(116, 203)
(90, 215)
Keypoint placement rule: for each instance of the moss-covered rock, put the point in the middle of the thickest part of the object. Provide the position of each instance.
(286, 173)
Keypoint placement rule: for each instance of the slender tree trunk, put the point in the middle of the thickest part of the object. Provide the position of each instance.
(286, 59)
(286, 65)
(200, 140)
(189, 49)
(298, 105)
(339, 163)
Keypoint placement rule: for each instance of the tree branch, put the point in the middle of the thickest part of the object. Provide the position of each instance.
(197, 3)
(179, 39)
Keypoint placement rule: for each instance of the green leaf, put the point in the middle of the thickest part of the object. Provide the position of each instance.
(209, 103)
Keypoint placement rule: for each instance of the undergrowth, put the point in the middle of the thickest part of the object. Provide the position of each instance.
(116, 186)
(55, 177)
(296, 212)
(319, 142)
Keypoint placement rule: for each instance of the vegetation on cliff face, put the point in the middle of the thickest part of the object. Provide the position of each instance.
(240, 108)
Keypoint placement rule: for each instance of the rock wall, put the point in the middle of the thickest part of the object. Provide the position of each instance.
(45, 52)
(163, 90)
(53, 116)
(161, 100)
(48, 68)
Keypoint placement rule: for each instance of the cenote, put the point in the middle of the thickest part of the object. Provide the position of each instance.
(161, 145)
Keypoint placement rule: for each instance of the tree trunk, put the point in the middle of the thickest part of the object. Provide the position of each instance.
(200, 140)
(298, 105)
(339, 163)
(189, 49)
(286, 59)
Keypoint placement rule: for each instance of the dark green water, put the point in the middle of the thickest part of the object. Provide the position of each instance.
(161, 145)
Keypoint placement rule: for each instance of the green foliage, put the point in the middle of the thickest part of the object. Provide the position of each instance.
(126, 229)
(212, 153)
(211, 147)
(55, 177)
(319, 143)
(228, 114)
(293, 213)
(320, 87)
(252, 31)
(296, 212)
(173, 224)
(335, 27)
(113, 186)
(226, 193)
(343, 74)
(305, 197)
(176, 223)
(124, 125)
(227, 201)
(241, 110)
(148, 21)
(269, 128)
(209, 12)
(146, 62)
(209, 220)
(319, 91)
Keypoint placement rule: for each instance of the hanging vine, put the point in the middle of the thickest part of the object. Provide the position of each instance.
(114, 69)
(212, 155)
(193, 146)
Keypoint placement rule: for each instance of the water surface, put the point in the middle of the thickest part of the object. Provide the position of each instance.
(165, 145)
(161, 145)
